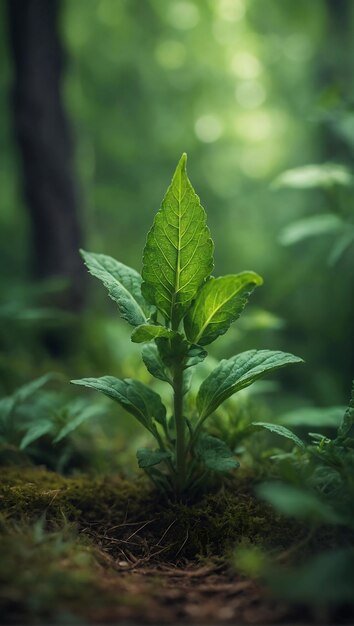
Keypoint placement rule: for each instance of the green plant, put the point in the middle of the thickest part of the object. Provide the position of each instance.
(330, 178)
(314, 484)
(33, 420)
(19, 410)
(177, 308)
(320, 473)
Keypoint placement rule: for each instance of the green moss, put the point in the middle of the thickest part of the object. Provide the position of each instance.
(30, 493)
(122, 515)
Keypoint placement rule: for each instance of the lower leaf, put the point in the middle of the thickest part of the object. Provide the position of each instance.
(148, 458)
(215, 454)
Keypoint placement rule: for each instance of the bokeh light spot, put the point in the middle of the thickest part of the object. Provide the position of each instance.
(250, 94)
(170, 54)
(255, 126)
(208, 128)
(183, 15)
(245, 65)
(231, 10)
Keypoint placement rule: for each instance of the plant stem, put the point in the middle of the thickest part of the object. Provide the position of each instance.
(180, 426)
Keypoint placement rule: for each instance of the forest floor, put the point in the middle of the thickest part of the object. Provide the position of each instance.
(78, 550)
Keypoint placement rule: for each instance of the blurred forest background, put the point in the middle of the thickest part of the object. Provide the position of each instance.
(258, 93)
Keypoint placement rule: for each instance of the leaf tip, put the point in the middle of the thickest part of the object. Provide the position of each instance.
(183, 162)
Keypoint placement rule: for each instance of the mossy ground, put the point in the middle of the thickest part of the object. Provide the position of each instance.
(114, 509)
(68, 544)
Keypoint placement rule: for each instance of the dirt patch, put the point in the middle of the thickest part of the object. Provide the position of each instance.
(208, 594)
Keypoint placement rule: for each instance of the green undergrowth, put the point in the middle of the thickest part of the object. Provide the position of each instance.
(125, 516)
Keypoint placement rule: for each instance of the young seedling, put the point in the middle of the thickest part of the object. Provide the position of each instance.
(177, 308)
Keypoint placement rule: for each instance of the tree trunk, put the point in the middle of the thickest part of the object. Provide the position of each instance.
(43, 137)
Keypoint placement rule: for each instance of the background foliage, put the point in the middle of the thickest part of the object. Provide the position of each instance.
(249, 89)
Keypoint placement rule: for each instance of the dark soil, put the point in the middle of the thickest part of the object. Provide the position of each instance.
(107, 551)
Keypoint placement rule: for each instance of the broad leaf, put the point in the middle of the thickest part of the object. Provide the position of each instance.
(215, 454)
(219, 302)
(154, 363)
(147, 332)
(236, 373)
(123, 285)
(148, 458)
(178, 255)
(137, 398)
(280, 430)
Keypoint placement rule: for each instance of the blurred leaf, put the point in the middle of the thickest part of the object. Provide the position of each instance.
(313, 226)
(298, 503)
(35, 432)
(257, 318)
(324, 175)
(22, 393)
(325, 580)
(341, 245)
(75, 421)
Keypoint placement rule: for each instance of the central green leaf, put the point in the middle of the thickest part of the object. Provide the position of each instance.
(178, 255)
